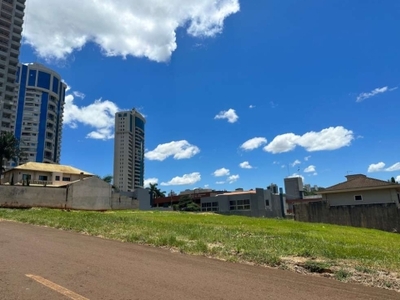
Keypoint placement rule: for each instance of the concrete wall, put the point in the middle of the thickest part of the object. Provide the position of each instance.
(258, 207)
(27, 196)
(368, 197)
(378, 216)
(91, 193)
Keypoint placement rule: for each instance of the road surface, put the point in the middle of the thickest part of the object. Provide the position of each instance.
(46, 263)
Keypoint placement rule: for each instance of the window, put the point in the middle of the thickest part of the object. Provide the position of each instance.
(358, 198)
(267, 202)
(66, 179)
(42, 178)
(210, 206)
(239, 204)
(57, 178)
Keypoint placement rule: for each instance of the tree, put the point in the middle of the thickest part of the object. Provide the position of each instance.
(186, 204)
(392, 180)
(155, 191)
(9, 149)
(108, 178)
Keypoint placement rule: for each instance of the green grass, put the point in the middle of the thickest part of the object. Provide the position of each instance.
(234, 238)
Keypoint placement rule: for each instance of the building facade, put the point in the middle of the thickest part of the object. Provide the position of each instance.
(39, 114)
(11, 20)
(129, 150)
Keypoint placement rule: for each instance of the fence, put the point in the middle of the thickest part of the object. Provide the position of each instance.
(376, 216)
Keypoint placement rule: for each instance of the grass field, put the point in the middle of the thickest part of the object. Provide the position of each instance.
(233, 238)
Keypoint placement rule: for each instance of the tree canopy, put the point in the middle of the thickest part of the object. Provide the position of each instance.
(9, 149)
(155, 191)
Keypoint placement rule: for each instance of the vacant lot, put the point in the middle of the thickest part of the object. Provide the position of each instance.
(345, 253)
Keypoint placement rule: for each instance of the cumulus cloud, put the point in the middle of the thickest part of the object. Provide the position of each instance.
(296, 162)
(245, 165)
(253, 143)
(99, 115)
(186, 179)
(229, 114)
(395, 167)
(140, 28)
(177, 149)
(380, 166)
(150, 180)
(331, 138)
(310, 169)
(397, 179)
(232, 178)
(376, 167)
(307, 158)
(221, 172)
(363, 96)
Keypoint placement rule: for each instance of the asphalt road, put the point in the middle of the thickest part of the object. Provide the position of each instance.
(45, 263)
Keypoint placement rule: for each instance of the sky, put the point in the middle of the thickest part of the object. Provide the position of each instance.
(236, 94)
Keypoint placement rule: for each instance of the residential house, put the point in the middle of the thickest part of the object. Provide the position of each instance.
(359, 189)
(43, 174)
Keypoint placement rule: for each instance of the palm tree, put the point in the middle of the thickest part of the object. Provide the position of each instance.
(9, 149)
(155, 191)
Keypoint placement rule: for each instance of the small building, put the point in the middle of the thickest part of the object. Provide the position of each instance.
(254, 203)
(43, 174)
(359, 189)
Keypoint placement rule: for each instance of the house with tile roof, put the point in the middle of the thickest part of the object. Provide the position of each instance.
(44, 174)
(359, 189)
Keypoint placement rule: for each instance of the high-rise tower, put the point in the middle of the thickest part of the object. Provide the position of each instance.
(11, 20)
(129, 150)
(40, 106)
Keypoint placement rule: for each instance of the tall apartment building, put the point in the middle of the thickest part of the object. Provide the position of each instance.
(39, 114)
(129, 150)
(11, 20)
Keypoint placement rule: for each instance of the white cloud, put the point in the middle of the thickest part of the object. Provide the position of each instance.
(229, 114)
(315, 174)
(186, 179)
(79, 95)
(252, 106)
(296, 162)
(245, 165)
(310, 169)
(232, 178)
(276, 162)
(177, 149)
(220, 182)
(307, 158)
(331, 138)
(206, 186)
(283, 166)
(395, 167)
(374, 92)
(98, 115)
(150, 180)
(397, 179)
(221, 172)
(253, 143)
(376, 167)
(140, 28)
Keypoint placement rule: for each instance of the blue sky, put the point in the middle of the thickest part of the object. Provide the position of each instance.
(235, 93)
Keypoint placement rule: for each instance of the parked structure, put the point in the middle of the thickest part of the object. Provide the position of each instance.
(43, 174)
(360, 190)
(129, 150)
(12, 15)
(39, 115)
(254, 203)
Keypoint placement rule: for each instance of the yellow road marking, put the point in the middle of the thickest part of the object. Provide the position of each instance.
(57, 288)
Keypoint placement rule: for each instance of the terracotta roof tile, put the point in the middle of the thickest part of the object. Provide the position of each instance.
(359, 181)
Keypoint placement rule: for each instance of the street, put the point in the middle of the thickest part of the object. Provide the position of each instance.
(46, 263)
